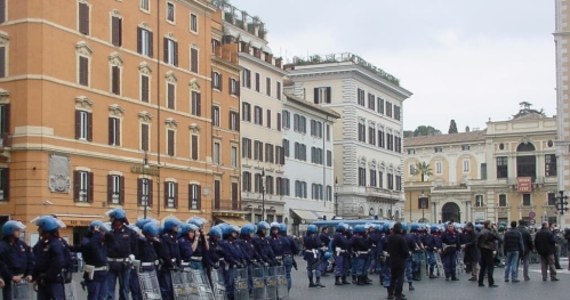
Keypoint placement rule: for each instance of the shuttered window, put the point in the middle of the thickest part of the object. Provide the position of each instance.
(83, 125)
(196, 104)
(170, 142)
(4, 184)
(235, 196)
(114, 131)
(84, 70)
(145, 88)
(144, 137)
(217, 194)
(194, 196)
(194, 150)
(115, 189)
(144, 192)
(116, 31)
(116, 80)
(194, 60)
(171, 91)
(2, 11)
(3, 59)
(4, 120)
(170, 52)
(83, 18)
(170, 194)
(144, 42)
(82, 186)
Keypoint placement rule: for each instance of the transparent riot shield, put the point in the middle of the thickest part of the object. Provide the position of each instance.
(178, 285)
(258, 280)
(282, 286)
(148, 281)
(271, 282)
(439, 264)
(22, 291)
(70, 291)
(200, 287)
(460, 265)
(218, 284)
(241, 291)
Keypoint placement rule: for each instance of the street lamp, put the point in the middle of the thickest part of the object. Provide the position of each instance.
(263, 194)
(145, 191)
(423, 204)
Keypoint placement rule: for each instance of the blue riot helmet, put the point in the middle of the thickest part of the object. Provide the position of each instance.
(380, 228)
(274, 225)
(151, 229)
(388, 226)
(247, 230)
(215, 232)
(478, 227)
(341, 227)
(141, 222)
(360, 229)
(434, 228)
(368, 226)
(200, 222)
(328, 255)
(47, 223)
(171, 224)
(183, 229)
(233, 229)
(414, 227)
(312, 229)
(117, 214)
(405, 227)
(9, 228)
(283, 229)
(99, 226)
(262, 228)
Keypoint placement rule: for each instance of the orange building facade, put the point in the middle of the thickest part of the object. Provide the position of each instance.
(112, 104)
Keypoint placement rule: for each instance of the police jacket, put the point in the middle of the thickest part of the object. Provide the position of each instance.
(277, 246)
(450, 242)
(487, 239)
(340, 241)
(214, 255)
(513, 241)
(360, 245)
(312, 243)
(94, 252)
(125, 242)
(325, 238)
(544, 242)
(185, 246)
(232, 253)
(171, 258)
(146, 250)
(264, 249)
(249, 251)
(289, 246)
(50, 261)
(397, 248)
(17, 257)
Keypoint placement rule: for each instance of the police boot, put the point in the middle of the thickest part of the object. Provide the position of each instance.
(411, 287)
(337, 280)
(344, 281)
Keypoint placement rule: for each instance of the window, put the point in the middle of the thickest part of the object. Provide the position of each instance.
(116, 80)
(246, 181)
(526, 199)
(397, 113)
(550, 165)
(115, 189)
(373, 181)
(145, 89)
(246, 78)
(257, 83)
(390, 178)
(438, 167)
(268, 86)
(258, 115)
(502, 200)
(317, 191)
(194, 60)
(170, 95)
(234, 157)
(388, 109)
(389, 141)
(372, 135)
(438, 149)
(2, 11)
(234, 121)
(258, 188)
(360, 97)
(502, 167)
(217, 81)
(285, 187)
(246, 112)
(300, 189)
(329, 193)
(234, 87)
(322, 95)
(286, 119)
(196, 104)
(278, 88)
(116, 31)
(144, 192)
(466, 164)
(258, 150)
(316, 129)
(83, 21)
(170, 52)
(299, 123)
(278, 121)
(317, 155)
(170, 12)
(82, 186)
(478, 200)
(246, 148)
(83, 69)
(83, 125)
(279, 157)
(329, 158)
(3, 62)
(193, 23)
(216, 116)
(551, 199)
(268, 118)
(286, 147)
(170, 194)
(361, 131)
(216, 154)
(328, 132)
(465, 147)
(170, 142)
(398, 144)
(269, 156)
(361, 176)
(269, 187)
(144, 134)
(484, 171)
(398, 183)
(144, 42)
(380, 105)
(145, 5)
(371, 101)
(114, 131)
(381, 179)
(235, 196)
(381, 138)
(300, 151)
(194, 147)
(4, 120)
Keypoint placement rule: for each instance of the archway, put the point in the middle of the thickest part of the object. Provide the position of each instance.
(450, 212)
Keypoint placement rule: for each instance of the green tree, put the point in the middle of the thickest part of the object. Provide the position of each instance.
(424, 130)
(423, 169)
(452, 127)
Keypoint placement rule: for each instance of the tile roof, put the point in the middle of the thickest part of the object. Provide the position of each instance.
(442, 139)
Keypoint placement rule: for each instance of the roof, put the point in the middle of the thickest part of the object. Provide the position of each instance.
(441, 139)
(315, 107)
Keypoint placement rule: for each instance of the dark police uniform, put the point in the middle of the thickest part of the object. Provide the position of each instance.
(125, 243)
(18, 260)
(49, 267)
(94, 251)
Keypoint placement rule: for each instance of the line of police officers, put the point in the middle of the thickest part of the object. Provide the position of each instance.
(109, 251)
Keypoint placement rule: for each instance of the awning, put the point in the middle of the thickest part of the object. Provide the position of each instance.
(233, 221)
(307, 215)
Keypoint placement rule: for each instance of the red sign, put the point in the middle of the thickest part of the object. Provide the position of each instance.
(524, 184)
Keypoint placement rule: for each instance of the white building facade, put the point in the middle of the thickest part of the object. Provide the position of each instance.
(367, 140)
(308, 184)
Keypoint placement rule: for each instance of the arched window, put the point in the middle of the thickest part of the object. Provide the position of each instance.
(526, 163)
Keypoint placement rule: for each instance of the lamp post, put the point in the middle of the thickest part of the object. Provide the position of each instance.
(263, 195)
(336, 197)
(145, 184)
(423, 203)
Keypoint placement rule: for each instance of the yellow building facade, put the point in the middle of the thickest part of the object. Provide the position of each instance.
(111, 104)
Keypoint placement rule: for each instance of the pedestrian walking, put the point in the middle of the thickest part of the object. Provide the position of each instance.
(487, 242)
(546, 248)
(513, 246)
(398, 250)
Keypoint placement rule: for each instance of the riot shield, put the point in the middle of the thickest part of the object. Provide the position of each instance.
(271, 281)
(282, 286)
(200, 288)
(218, 284)
(460, 266)
(179, 285)
(258, 279)
(22, 291)
(241, 291)
(148, 282)
(70, 291)
(439, 264)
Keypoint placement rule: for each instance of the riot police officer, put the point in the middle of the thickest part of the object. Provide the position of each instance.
(326, 239)
(171, 258)
(94, 252)
(233, 257)
(312, 255)
(276, 243)
(340, 249)
(121, 253)
(289, 250)
(198, 258)
(450, 245)
(50, 261)
(361, 250)
(16, 255)
(262, 245)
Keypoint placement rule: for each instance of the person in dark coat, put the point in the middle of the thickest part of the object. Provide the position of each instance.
(472, 254)
(399, 252)
(546, 248)
(528, 247)
(487, 243)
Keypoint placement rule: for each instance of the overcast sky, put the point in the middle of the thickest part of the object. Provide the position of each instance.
(468, 60)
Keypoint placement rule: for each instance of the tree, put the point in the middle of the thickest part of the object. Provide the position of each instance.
(452, 127)
(424, 130)
(423, 169)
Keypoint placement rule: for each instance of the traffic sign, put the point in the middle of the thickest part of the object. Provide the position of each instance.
(532, 221)
(531, 214)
